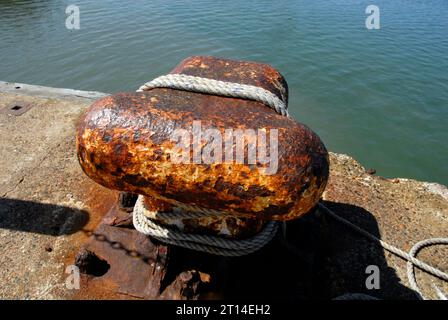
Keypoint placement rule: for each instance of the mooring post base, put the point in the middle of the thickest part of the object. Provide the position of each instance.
(118, 262)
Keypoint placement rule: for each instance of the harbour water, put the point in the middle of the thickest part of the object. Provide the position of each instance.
(378, 95)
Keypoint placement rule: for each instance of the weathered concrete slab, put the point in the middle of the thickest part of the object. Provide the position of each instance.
(46, 201)
(48, 208)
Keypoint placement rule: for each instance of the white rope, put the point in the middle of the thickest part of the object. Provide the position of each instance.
(410, 257)
(226, 247)
(217, 87)
(204, 243)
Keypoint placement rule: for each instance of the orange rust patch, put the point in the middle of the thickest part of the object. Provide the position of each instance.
(124, 143)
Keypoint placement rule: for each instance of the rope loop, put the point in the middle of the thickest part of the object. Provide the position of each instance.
(219, 88)
(204, 243)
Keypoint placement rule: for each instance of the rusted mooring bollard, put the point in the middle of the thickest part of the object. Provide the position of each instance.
(187, 151)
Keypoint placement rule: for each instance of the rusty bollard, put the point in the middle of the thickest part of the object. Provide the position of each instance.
(125, 142)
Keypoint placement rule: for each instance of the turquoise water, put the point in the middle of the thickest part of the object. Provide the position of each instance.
(378, 95)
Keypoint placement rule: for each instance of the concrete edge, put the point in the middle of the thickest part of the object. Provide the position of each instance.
(48, 92)
(433, 187)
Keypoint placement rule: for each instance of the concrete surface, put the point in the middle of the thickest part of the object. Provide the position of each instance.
(400, 212)
(48, 206)
(46, 201)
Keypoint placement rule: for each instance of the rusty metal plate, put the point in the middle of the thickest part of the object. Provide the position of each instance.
(120, 260)
(16, 108)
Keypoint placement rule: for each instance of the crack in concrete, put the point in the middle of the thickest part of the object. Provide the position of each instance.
(15, 187)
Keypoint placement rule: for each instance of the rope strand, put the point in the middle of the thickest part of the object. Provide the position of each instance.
(219, 88)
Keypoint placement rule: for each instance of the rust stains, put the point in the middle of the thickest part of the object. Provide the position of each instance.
(124, 143)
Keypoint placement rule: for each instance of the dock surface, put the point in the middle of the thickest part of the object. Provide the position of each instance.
(48, 206)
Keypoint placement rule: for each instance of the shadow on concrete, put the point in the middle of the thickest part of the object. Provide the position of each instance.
(318, 258)
(350, 254)
(40, 218)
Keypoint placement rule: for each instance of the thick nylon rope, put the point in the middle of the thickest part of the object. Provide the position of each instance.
(219, 88)
(220, 246)
(204, 243)
(410, 266)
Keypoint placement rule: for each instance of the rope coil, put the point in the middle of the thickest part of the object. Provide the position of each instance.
(204, 243)
(226, 247)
